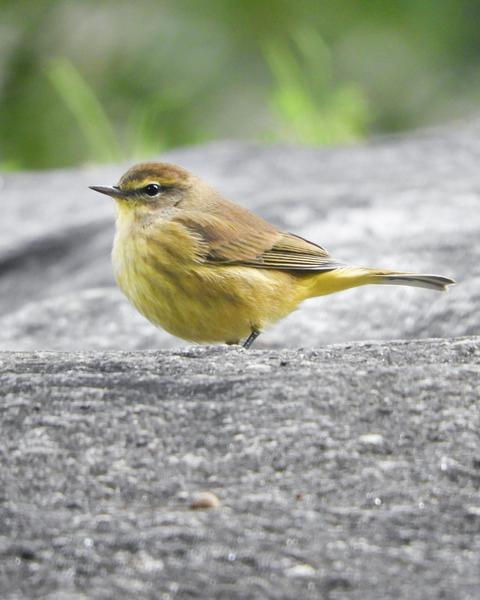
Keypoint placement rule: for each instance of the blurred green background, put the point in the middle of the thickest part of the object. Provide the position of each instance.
(91, 81)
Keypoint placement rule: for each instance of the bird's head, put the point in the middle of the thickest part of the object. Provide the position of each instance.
(149, 186)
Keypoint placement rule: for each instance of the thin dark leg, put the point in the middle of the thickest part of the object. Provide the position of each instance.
(251, 338)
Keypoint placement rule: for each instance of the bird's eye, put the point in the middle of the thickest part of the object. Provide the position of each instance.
(152, 189)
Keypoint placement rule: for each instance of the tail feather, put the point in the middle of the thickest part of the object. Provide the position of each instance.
(345, 277)
(430, 282)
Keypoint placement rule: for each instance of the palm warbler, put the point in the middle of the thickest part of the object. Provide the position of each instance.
(208, 270)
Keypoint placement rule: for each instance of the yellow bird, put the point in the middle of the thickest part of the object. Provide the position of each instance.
(207, 270)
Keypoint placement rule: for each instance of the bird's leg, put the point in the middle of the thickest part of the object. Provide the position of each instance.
(251, 338)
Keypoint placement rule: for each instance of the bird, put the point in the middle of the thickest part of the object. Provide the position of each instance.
(207, 270)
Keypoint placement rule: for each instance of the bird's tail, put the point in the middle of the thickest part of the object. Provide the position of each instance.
(346, 277)
(430, 282)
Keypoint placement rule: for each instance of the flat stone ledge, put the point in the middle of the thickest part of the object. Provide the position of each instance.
(351, 471)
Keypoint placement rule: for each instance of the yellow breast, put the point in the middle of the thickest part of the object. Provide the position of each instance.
(158, 270)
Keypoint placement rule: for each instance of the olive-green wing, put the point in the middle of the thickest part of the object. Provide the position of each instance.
(251, 241)
(293, 253)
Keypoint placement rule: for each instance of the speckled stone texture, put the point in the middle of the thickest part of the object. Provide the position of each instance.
(346, 472)
(350, 471)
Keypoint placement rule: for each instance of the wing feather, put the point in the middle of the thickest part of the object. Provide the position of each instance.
(253, 242)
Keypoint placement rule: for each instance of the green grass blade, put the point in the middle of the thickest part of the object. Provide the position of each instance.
(81, 100)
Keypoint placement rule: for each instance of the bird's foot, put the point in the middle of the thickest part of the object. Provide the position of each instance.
(251, 338)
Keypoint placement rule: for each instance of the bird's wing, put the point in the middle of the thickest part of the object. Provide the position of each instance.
(293, 253)
(255, 243)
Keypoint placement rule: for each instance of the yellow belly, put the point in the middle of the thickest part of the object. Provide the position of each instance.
(199, 302)
(210, 303)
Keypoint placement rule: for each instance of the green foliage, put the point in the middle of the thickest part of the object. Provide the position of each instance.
(87, 110)
(84, 81)
(310, 107)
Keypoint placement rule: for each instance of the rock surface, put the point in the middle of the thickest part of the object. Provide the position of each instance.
(408, 203)
(347, 472)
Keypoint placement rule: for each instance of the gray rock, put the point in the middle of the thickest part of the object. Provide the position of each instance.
(348, 472)
(407, 203)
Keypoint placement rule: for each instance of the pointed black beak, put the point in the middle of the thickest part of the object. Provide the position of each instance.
(109, 191)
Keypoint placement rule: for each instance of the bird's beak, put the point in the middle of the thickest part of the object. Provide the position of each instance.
(114, 191)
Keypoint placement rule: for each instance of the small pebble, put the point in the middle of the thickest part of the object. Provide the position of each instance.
(473, 511)
(204, 500)
(371, 439)
(304, 570)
